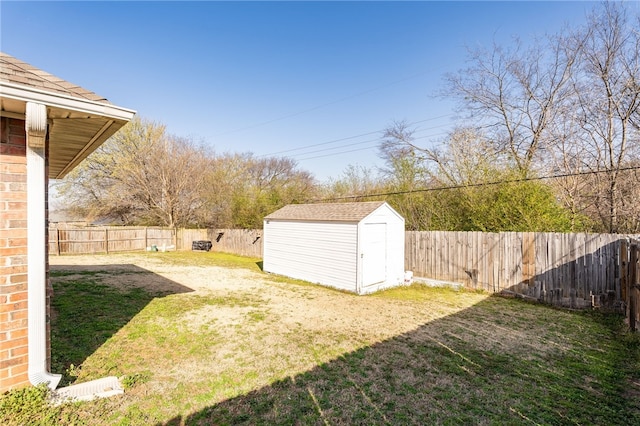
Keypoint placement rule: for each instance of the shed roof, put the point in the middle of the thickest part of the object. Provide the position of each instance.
(79, 120)
(338, 212)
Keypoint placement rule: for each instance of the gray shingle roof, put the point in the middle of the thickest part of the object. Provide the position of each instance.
(339, 212)
(15, 71)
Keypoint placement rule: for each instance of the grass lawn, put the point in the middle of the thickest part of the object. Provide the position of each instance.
(207, 338)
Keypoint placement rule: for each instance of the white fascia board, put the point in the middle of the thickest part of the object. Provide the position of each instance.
(65, 102)
(388, 207)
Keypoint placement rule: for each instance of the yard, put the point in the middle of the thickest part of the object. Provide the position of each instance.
(208, 338)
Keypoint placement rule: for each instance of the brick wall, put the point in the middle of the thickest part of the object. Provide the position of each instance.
(13, 255)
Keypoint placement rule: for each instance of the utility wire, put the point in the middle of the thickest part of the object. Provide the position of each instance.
(376, 140)
(336, 153)
(353, 150)
(319, 144)
(473, 185)
(358, 136)
(345, 98)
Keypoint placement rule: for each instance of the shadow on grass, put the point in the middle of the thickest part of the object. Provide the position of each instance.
(260, 265)
(85, 312)
(472, 367)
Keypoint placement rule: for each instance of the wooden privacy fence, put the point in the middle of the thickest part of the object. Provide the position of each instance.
(107, 239)
(573, 270)
(91, 240)
(245, 242)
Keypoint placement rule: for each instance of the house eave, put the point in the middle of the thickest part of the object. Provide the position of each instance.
(60, 101)
(77, 126)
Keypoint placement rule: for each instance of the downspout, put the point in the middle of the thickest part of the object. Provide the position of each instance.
(359, 257)
(36, 130)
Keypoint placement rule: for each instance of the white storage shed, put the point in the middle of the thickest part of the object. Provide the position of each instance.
(357, 247)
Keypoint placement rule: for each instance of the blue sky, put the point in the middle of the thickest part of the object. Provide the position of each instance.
(275, 77)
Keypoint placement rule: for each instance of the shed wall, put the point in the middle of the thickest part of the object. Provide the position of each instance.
(318, 252)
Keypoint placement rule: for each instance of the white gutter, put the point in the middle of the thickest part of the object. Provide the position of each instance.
(36, 129)
(57, 100)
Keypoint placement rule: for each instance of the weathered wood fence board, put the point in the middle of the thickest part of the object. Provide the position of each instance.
(574, 270)
(245, 242)
(120, 239)
(107, 239)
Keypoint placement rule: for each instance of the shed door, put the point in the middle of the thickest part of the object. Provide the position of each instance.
(374, 253)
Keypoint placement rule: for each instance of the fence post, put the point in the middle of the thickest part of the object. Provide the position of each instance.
(624, 277)
(58, 240)
(106, 240)
(634, 286)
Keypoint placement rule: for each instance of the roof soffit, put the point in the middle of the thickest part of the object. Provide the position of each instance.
(79, 120)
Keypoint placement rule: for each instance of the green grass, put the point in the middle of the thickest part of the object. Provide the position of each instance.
(88, 314)
(240, 357)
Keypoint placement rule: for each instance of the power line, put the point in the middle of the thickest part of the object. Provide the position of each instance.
(336, 153)
(358, 136)
(304, 111)
(354, 150)
(473, 185)
(319, 144)
(338, 147)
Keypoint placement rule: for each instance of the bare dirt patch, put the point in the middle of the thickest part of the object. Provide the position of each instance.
(317, 308)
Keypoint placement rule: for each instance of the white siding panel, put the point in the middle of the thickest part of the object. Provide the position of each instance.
(381, 215)
(318, 252)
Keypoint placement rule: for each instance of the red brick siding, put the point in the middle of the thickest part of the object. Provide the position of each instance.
(13, 255)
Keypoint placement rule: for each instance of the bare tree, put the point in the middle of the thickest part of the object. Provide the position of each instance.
(513, 94)
(92, 189)
(404, 160)
(226, 178)
(166, 182)
(466, 184)
(607, 102)
(567, 105)
(356, 182)
(140, 175)
(566, 159)
(268, 184)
